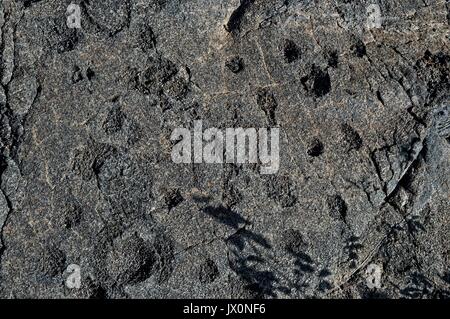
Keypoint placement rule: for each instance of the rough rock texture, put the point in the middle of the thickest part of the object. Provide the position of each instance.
(87, 177)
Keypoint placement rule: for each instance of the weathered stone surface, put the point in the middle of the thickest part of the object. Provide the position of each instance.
(87, 178)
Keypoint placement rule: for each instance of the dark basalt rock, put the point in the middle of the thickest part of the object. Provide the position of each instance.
(358, 208)
(131, 260)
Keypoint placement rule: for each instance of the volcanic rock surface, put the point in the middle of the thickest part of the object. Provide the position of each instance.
(87, 177)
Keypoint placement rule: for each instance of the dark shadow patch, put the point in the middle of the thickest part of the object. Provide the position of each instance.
(337, 207)
(418, 287)
(446, 277)
(234, 23)
(90, 74)
(266, 101)
(333, 59)
(322, 82)
(147, 38)
(318, 82)
(29, 3)
(225, 216)
(235, 64)
(250, 268)
(172, 198)
(201, 198)
(315, 148)
(352, 248)
(359, 49)
(414, 224)
(77, 75)
(291, 51)
(208, 272)
(351, 137)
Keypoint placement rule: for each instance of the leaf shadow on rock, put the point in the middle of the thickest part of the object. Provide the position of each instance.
(352, 247)
(418, 287)
(247, 253)
(225, 216)
(303, 263)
